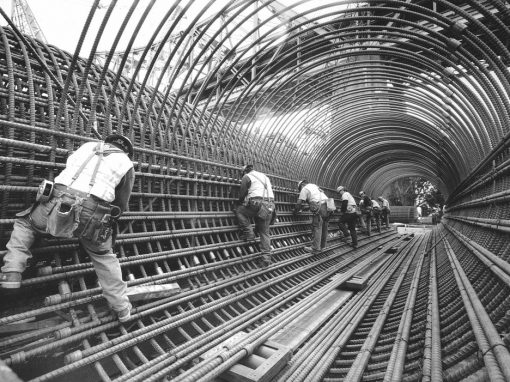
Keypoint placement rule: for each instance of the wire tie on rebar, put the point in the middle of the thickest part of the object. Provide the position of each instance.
(492, 348)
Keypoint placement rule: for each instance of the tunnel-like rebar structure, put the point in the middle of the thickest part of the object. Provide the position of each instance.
(355, 93)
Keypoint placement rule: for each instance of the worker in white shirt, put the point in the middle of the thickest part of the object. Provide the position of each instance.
(317, 200)
(385, 211)
(348, 215)
(256, 200)
(370, 208)
(84, 201)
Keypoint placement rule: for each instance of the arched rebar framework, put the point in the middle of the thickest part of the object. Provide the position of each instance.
(338, 92)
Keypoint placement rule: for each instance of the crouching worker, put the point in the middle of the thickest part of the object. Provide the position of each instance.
(84, 202)
(256, 200)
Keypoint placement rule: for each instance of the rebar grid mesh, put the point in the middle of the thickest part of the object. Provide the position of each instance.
(180, 227)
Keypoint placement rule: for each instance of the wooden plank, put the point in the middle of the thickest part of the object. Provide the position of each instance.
(257, 368)
(29, 326)
(150, 292)
(300, 329)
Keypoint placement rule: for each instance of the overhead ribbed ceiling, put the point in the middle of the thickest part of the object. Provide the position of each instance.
(341, 92)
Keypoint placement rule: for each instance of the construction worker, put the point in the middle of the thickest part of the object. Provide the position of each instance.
(370, 209)
(385, 211)
(84, 202)
(348, 216)
(376, 213)
(317, 201)
(365, 205)
(256, 200)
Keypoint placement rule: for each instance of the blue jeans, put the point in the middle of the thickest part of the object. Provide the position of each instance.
(30, 225)
(320, 228)
(243, 214)
(385, 216)
(350, 220)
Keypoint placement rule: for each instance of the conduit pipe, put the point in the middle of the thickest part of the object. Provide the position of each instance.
(395, 367)
(495, 354)
(322, 343)
(360, 363)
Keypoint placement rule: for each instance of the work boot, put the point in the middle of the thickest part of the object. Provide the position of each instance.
(263, 263)
(10, 280)
(346, 239)
(311, 250)
(125, 314)
(247, 236)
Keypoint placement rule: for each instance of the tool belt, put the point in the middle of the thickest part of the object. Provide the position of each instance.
(315, 207)
(65, 218)
(264, 206)
(88, 199)
(257, 200)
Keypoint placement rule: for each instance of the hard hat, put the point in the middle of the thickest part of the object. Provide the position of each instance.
(301, 183)
(361, 193)
(340, 188)
(121, 142)
(247, 167)
(380, 198)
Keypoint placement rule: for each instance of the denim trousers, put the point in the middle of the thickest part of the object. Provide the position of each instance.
(350, 220)
(244, 214)
(320, 228)
(28, 227)
(385, 216)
